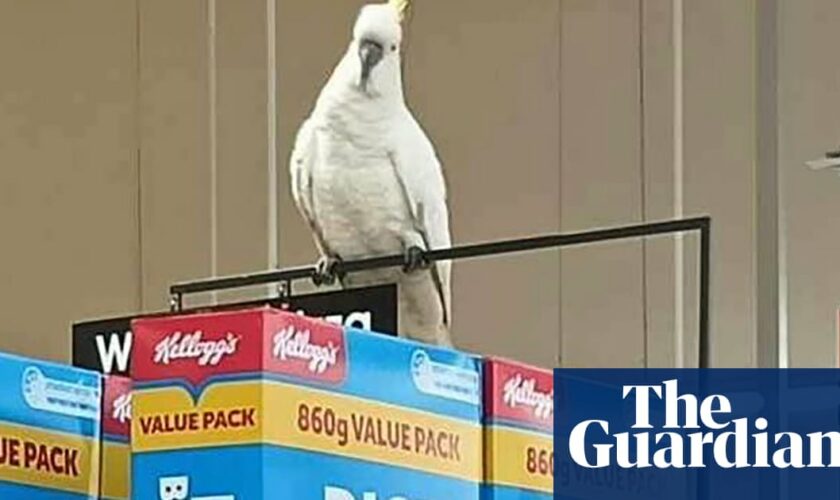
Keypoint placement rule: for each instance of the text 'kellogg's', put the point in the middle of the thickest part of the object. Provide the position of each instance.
(290, 343)
(191, 346)
(521, 391)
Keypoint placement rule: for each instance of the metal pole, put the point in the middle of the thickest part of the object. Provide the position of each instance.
(287, 276)
(454, 253)
(705, 271)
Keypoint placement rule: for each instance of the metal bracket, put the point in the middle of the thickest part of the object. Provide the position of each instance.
(176, 302)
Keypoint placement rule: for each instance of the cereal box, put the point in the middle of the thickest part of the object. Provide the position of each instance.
(518, 428)
(262, 403)
(49, 431)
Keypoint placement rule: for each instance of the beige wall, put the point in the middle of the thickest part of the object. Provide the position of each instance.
(809, 124)
(636, 147)
(140, 147)
(602, 295)
(69, 244)
(175, 201)
(720, 164)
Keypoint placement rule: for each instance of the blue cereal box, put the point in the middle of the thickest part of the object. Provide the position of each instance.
(49, 431)
(518, 431)
(266, 404)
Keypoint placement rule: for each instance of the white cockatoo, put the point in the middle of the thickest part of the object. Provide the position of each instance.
(366, 178)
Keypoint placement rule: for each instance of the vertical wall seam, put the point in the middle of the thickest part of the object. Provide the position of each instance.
(783, 347)
(768, 289)
(212, 134)
(138, 142)
(642, 180)
(560, 178)
(756, 187)
(271, 116)
(678, 117)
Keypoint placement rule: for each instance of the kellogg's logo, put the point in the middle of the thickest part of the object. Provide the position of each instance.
(308, 349)
(290, 343)
(519, 391)
(121, 408)
(191, 346)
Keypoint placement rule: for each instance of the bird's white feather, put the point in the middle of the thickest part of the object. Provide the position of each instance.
(366, 178)
(301, 167)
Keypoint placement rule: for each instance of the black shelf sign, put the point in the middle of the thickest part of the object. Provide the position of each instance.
(105, 345)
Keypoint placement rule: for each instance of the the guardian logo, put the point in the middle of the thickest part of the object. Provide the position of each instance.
(731, 442)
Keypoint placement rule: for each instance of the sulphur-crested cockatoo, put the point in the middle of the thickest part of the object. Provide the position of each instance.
(367, 180)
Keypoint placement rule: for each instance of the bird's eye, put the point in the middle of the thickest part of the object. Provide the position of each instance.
(393, 47)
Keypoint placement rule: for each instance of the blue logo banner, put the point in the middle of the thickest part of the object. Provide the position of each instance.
(697, 434)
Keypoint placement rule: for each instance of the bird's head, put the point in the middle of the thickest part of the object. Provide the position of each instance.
(377, 36)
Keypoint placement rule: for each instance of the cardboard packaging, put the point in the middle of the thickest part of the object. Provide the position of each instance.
(115, 482)
(266, 404)
(518, 431)
(49, 431)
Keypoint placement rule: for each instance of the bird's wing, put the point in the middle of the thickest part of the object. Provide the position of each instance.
(424, 188)
(301, 168)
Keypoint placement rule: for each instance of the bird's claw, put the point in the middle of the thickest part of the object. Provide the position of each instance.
(415, 259)
(327, 269)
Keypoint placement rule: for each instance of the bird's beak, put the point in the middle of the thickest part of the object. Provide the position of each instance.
(370, 53)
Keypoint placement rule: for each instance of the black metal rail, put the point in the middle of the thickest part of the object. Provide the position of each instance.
(285, 277)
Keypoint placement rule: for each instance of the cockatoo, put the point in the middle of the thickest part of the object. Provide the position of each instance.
(367, 181)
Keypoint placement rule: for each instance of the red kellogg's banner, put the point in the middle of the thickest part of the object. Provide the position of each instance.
(200, 346)
(196, 346)
(520, 394)
(305, 349)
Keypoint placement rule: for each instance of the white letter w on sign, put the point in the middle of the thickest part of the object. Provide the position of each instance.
(118, 349)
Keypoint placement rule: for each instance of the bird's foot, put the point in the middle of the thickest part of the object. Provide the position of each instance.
(327, 269)
(415, 259)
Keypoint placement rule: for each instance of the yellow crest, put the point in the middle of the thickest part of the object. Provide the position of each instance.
(401, 6)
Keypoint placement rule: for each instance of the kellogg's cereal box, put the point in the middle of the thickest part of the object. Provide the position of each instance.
(115, 479)
(518, 431)
(261, 403)
(49, 431)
